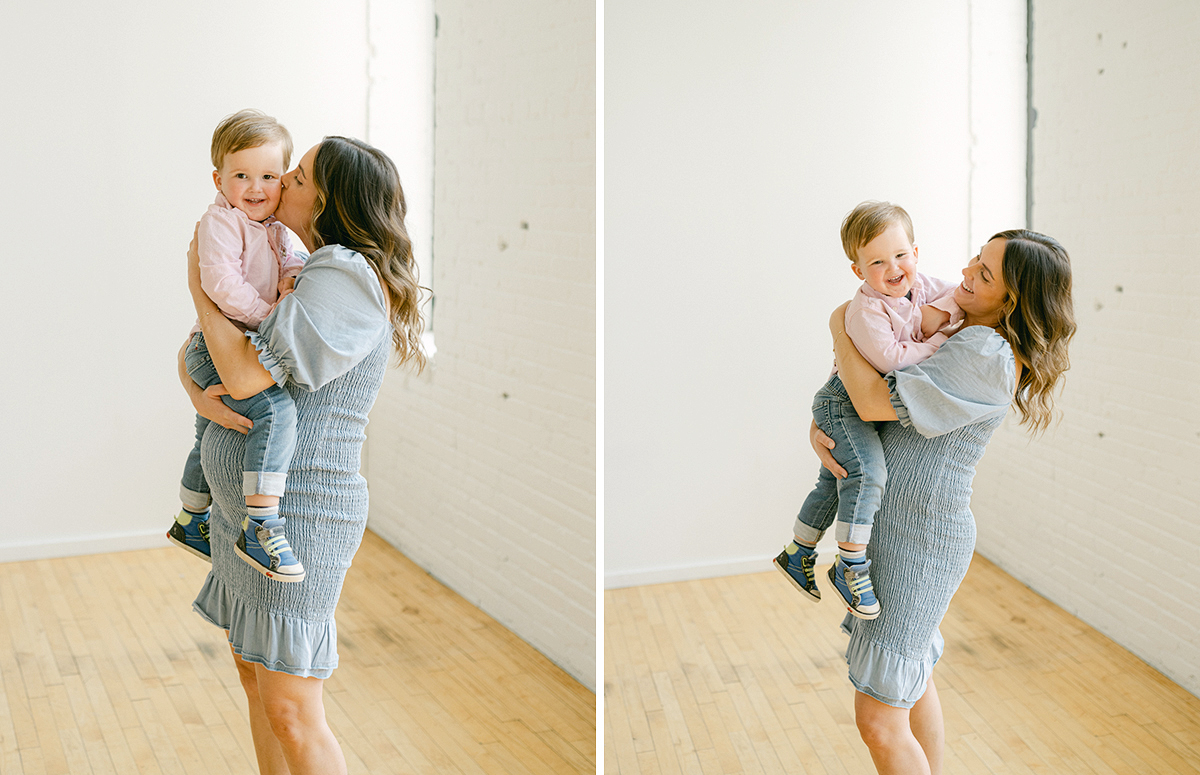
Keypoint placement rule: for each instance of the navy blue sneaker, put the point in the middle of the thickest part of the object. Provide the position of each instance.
(794, 563)
(853, 583)
(266, 549)
(190, 531)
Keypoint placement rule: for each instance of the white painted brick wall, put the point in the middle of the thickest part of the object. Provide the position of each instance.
(482, 469)
(1102, 515)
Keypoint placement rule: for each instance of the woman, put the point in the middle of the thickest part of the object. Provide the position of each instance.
(327, 344)
(1012, 348)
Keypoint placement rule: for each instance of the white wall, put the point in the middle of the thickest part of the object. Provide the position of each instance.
(482, 469)
(737, 137)
(109, 110)
(1100, 516)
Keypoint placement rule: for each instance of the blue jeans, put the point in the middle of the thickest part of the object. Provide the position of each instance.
(269, 445)
(855, 499)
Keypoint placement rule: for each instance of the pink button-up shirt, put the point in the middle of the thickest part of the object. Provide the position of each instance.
(887, 331)
(242, 260)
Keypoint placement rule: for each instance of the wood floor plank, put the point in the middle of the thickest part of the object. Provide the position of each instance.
(749, 676)
(104, 668)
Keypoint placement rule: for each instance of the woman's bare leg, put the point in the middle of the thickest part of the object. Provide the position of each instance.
(266, 747)
(295, 709)
(925, 720)
(889, 737)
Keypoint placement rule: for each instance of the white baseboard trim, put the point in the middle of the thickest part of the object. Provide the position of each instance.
(710, 570)
(77, 545)
(638, 578)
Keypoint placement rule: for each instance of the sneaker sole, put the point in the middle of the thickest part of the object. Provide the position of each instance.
(853, 612)
(813, 596)
(191, 549)
(253, 563)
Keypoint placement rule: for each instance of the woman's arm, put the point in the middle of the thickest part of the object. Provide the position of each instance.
(232, 353)
(208, 402)
(868, 391)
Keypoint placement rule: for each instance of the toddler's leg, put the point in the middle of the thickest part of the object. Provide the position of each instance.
(269, 447)
(189, 530)
(859, 497)
(799, 558)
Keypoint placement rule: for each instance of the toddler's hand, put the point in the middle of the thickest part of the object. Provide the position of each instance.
(286, 286)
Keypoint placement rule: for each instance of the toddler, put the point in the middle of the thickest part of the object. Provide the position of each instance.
(884, 320)
(246, 266)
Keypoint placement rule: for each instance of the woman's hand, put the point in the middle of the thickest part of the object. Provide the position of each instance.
(209, 405)
(208, 402)
(821, 444)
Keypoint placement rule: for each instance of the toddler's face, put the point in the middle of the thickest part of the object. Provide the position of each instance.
(888, 263)
(249, 179)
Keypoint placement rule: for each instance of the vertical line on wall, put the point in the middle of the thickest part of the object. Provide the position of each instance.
(437, 23)
(970, 127)
(370, 84)
(1030, 114)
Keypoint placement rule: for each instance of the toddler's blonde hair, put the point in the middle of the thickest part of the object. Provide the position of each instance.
(868, 221)
(248, 129)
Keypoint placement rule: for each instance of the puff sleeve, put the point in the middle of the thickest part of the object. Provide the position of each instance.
(333, 319)
(971, 378)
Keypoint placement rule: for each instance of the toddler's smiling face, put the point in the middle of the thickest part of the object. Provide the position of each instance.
(250, 179)
(888, 263)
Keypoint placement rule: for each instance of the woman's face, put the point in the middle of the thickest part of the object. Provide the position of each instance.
(982, 293)
(299, 197)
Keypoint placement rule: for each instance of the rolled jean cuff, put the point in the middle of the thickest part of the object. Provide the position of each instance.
(806, 532)
(194, 501)
(263, 483)
(851, 533)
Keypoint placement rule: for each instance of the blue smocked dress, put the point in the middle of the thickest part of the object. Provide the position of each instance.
(327, 344)
(948, 406)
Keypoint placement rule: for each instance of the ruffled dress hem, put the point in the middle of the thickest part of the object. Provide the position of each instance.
(284, 644)
(885, 675)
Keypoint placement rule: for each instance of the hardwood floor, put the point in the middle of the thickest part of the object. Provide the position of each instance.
(104, 668)
(743, 675)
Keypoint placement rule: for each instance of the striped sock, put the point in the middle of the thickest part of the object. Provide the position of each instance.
(853, 558)
(262, 513)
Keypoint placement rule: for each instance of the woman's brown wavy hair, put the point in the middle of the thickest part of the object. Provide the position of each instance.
(360, 205)
(1038, 319)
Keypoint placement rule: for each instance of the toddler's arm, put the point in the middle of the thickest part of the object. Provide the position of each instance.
(290, 264)
(932, 320)
(221, 246)
(945, 317)
(870, 328)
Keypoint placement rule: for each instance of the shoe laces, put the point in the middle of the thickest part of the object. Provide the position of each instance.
(857, 579)
(274, 542)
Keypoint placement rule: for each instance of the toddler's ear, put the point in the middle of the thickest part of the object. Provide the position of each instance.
(914, 251)
(217, 178)
(857, 272)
